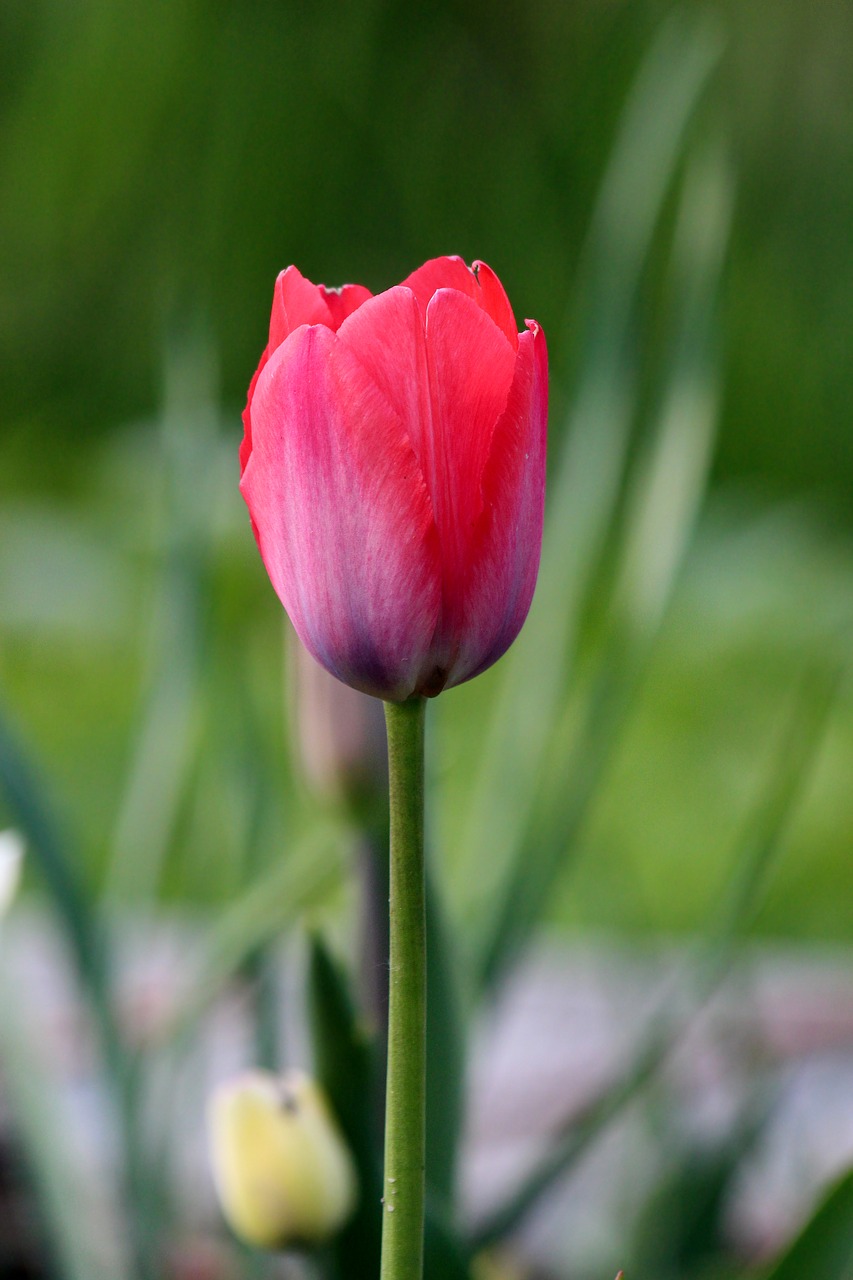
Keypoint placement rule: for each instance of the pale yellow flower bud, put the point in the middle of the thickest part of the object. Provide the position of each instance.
(282, 1169)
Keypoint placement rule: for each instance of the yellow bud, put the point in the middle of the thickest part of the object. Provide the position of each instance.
(283, 1172)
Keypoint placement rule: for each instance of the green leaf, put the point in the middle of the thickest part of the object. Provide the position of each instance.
(50, 851)
(585, 490)
(824, 1248)
(681, 1231)
(445, 1054)
(304, 878)
(344, 1054)
(345, 1066)
(665, 489)
(445, 1254)
(167, 738)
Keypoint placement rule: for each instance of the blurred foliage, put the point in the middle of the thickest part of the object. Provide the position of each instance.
(671, 199)
(164, 161)
(139, 215)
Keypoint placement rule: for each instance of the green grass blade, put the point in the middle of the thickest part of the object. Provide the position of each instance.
(445, 1051)
(167, 737)
(305, 878)
(585, 486)
(345, 1065)
(50, 851)
(663, 500)
(824, 1248)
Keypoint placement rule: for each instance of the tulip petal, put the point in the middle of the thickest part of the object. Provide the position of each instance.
(441, 273)
(493, 299)
(504, 556)
(471, 367)
(342, 302)
(343, 517)
(246, 442)
(296, 301)
(388, 339)
(479, 283)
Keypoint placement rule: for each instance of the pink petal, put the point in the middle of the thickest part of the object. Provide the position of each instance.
(246, 443)
(493, 299)
(343, 517)
(342, 302)
(471, 366)
(508, 538)
(479, 283)
(296, 301)
(441, 273)
(387, 337)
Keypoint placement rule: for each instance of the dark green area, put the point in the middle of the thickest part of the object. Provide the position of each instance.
(160, 163)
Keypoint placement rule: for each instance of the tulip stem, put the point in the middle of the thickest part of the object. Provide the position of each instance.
(405, 1128)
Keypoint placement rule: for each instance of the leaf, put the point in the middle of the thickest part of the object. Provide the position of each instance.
(585, 488)
(167, 738)
(344, 1054)
(445, 1054)
(664, 494)
(345, 1066)
(304, 878)
(50, 851)
(824, 1248)
(682, 1230)
(85, 937)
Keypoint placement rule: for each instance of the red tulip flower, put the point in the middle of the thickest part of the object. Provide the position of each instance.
(394, 467)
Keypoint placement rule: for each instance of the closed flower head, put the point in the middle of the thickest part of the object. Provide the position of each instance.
(282, 1170)
(394, 467)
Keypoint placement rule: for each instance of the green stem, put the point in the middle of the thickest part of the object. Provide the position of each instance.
(405, 1128)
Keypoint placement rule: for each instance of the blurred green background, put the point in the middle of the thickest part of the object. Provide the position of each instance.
(160, 163)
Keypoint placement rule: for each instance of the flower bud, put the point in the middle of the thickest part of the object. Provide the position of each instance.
(339, 732)
(393, 463)
(283, 1172)
(11, 857)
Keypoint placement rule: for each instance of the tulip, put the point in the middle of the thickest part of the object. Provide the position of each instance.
(394, 467)
(283, 1172)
